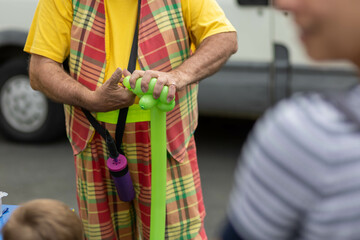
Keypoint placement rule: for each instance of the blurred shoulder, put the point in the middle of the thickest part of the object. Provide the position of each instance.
(310, 123)
(304, 111)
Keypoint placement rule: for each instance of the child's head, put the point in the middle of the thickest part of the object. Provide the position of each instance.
(43, 219)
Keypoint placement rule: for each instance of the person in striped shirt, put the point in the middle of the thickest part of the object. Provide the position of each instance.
(298, 176)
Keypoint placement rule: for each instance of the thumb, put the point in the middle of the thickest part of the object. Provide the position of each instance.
(116, 76)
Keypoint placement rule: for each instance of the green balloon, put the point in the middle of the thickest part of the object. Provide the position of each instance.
(126, 83)
(165, 107)
(158, 174)
(137, 89)
(163, 94)
(147, 102)
(158, 152)
(152, 85)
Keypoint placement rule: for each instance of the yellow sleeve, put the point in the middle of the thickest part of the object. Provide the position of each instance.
(204, 18)
(50, 31)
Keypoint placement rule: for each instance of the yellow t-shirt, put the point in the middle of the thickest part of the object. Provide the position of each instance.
(50, 35)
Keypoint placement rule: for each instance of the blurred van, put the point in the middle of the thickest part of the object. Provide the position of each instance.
(269, 66)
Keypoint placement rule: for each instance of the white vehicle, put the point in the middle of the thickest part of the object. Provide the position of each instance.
(270, 65)
(25, 115)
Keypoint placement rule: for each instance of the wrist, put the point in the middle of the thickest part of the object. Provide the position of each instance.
(180, 79)
(88, 101)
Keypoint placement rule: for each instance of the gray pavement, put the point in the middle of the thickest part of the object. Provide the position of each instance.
(30, 171)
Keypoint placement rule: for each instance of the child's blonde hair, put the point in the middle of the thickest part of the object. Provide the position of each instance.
(43, 219)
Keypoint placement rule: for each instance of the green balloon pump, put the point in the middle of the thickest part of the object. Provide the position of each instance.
(158, 108)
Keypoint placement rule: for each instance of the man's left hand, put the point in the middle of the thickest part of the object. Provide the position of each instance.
(171, 79)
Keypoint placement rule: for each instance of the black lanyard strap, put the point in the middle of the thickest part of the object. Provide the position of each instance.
(113, 151)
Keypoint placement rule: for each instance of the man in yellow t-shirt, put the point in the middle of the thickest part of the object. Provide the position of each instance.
(214, 39)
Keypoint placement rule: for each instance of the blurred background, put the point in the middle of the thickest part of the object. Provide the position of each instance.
(36, 160)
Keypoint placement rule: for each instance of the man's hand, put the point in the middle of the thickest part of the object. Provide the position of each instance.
(111, 95)
(171, 79)
(50, 78)
(212, 53)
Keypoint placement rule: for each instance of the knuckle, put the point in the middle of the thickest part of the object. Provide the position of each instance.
(137, 72)
(147, 77)
(160, 82)
(150, 72)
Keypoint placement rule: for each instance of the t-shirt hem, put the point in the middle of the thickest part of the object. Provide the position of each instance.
(44, 53)
(223, 29)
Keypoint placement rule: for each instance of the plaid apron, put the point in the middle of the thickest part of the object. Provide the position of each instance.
(163, 45)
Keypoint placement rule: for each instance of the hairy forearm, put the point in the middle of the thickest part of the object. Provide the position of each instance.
(50, 78)
(212, 53)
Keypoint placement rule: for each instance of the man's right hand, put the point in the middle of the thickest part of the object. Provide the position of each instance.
(111, 95)
(48, 76)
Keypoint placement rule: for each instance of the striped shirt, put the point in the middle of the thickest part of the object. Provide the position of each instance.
(299, 173)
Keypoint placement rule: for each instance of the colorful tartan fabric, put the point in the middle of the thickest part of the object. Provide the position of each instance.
(106, 217)
(163, 45)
